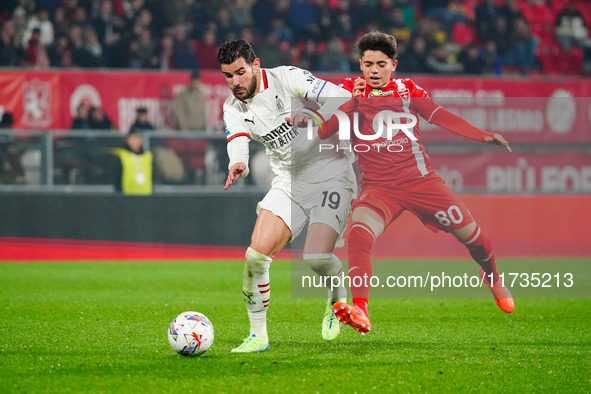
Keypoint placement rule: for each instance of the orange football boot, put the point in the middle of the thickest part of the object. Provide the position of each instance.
(353, 316)
(502, 295)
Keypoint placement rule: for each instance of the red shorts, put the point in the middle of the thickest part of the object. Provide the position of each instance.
(427, 198)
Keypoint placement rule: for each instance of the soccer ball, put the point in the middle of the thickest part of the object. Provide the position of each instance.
(190, 334)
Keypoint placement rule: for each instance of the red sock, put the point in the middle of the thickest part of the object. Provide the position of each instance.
(481, 250)
(361, 239)
(362, 304)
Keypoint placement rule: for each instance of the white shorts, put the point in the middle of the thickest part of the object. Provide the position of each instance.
(299, 203)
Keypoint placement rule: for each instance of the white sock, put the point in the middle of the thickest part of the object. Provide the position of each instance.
(329, 265)
(256, 289)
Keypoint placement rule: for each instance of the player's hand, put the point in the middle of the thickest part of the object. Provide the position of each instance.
(298, 120)
(497, 139)
(359, 87)
(234, 174)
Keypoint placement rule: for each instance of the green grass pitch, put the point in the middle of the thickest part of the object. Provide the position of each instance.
(102, 327)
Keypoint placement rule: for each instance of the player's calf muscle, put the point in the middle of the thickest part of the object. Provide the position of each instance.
(270, 234)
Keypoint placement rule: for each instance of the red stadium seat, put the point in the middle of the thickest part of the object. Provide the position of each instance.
(463, 34)
(526, 11)
(469, 7)
(558, 5)
(542, 14)
(549, 56)
(585, 10)
(555, 62)
(544, 32)
(574, 61)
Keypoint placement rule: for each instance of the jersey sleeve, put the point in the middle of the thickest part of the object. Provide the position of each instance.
(238, 138)
(302, 83)
(456, 124)
(421, 101)
(234, 124)
(299, 82)
(347, 84)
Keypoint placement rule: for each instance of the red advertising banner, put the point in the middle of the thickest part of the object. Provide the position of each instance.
(501, 172)
(531, 111)
(48, 100)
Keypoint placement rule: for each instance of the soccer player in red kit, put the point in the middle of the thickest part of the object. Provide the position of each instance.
(396, 174)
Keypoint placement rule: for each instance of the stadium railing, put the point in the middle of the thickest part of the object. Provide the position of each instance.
(197, 162)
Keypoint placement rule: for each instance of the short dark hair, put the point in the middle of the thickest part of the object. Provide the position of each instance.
(231, 51)
(195, 74)
(376, 41)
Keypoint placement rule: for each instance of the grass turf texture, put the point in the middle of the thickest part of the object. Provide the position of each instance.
(101, 327)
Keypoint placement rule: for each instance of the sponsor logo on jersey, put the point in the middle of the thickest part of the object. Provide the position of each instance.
(378, 92)
(280, 136)
(316, 86)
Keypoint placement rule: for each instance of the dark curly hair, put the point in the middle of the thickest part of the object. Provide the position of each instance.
(376, 41)
(231, 51)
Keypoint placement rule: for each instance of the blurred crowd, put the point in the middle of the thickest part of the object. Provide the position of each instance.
(434, 36)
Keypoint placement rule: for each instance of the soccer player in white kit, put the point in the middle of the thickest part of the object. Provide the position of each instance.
(308, 187)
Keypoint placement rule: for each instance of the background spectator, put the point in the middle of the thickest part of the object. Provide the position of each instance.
(10, 51)
(133, 172)
(189, 109)
(82, 120)
(11, 166)
(98, 120)
(183, 54)
(41, 22)
(206, 51)
(571, 29)
(470, 60)
(523, 47)
(36, 50)
(142, 123)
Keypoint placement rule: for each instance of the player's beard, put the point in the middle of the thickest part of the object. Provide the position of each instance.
(249, 91)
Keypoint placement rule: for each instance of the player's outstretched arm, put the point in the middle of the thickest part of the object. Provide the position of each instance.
(456, 124)
(234, 174)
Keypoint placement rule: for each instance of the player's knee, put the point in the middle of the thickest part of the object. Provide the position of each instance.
(319, 262)
(257, 263)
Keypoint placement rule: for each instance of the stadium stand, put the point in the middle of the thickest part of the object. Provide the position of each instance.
(530, 36)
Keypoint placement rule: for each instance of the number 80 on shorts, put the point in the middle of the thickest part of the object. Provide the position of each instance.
(453, 215)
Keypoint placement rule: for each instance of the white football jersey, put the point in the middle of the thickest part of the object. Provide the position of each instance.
(285, 91)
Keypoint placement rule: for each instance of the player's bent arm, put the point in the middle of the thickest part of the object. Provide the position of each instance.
(238, 153)
(301, 83)
(458, 125)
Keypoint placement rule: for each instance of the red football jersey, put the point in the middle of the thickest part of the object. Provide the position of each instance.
(399, 159)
